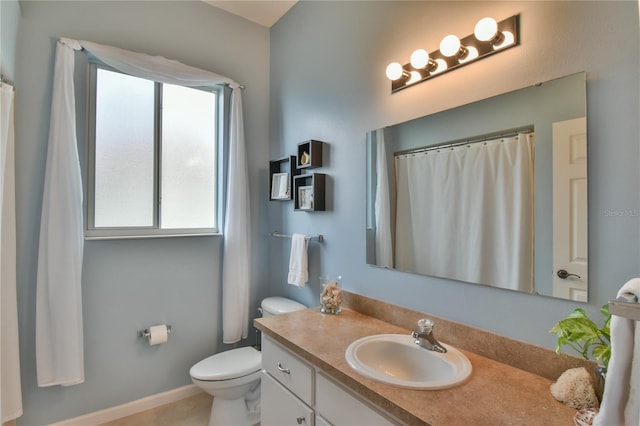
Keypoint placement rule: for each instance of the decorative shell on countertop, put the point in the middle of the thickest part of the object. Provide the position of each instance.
(331, 298)
(574, 388)
(585, 417)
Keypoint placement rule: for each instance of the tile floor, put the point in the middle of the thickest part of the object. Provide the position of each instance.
(192, 411)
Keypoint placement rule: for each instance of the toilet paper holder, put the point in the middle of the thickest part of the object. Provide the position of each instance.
(146, 333)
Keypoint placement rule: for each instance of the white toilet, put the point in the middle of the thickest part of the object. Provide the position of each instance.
(233, 377)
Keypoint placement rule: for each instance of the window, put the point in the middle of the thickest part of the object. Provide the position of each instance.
(153, 157)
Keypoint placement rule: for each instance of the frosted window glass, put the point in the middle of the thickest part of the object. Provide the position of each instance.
(188, 182)
(124, 158)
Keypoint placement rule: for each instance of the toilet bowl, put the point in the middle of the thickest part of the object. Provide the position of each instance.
(233, 377)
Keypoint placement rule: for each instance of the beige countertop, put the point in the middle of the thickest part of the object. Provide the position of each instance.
(495, 394)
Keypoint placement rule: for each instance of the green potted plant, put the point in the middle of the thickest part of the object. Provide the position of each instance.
(581, 334)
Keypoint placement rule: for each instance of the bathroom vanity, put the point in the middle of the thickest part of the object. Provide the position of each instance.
(306, 379)
(293, 389)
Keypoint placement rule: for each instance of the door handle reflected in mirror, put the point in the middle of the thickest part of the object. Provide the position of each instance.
(564, 274)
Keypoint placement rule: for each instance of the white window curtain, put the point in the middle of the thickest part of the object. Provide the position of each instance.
(237, 237)
(10, 385)
(466, 212)
(384, 243)
(59, 342)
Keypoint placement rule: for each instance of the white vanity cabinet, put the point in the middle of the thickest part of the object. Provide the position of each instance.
(295, 393)
(338, 406)
(287, 387)
(279, 407)
(321, 422)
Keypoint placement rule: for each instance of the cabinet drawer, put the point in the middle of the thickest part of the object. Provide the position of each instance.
(279, 407)
(288, 369)
(340, 407)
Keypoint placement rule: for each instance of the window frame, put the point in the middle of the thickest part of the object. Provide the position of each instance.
(154, 231)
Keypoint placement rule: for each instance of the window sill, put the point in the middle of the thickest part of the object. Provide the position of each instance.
(137, 237)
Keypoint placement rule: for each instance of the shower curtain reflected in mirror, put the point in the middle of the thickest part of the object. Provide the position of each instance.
(466, 212)
(10, 383)
(382, 206)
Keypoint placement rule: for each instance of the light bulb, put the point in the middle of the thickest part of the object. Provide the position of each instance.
(472, 53)
(414, 76)
(450, 45)
(419, 59)
(441, 66)
(394, 71)
(508, 40)
(486, 29)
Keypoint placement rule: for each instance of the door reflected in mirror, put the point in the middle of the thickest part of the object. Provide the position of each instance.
(493, 192)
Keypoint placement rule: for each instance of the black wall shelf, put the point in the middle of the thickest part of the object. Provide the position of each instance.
(309, 192)
(276, 187)
(310, 154)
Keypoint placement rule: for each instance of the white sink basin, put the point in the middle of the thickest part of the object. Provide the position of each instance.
(396, 360)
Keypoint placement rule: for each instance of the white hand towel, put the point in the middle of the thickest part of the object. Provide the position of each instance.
(621, 399)
(298, 273)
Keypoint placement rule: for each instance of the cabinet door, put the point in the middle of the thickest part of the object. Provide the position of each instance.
(341, 407)
(320, 421)
(279, 407)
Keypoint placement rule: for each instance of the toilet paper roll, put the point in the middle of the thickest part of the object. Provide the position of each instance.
(158, 334)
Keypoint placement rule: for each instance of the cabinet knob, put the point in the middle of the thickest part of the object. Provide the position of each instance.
(284, 370)
(300, 420)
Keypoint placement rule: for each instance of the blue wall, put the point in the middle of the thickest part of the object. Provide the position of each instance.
(9, 17)
(327, 82)
(131, 284)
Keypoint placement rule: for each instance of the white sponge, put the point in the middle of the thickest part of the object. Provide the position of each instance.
(574, 388)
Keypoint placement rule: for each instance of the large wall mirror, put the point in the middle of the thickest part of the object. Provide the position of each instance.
(493, 192)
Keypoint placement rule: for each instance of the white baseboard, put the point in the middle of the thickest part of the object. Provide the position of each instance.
(133, 407)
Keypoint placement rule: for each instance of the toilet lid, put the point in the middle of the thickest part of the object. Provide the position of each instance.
(280, 305)
(229, 364)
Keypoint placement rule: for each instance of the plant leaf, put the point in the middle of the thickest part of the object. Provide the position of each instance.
(582, 335)
(602, 353)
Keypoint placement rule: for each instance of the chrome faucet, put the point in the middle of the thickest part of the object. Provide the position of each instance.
(425, 337)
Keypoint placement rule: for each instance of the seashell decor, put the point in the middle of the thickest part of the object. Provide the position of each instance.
(331, 298)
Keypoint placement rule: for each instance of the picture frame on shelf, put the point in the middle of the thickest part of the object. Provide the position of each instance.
(280, 186)
(305, 197)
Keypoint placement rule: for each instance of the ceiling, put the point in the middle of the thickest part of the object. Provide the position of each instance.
(263, 12)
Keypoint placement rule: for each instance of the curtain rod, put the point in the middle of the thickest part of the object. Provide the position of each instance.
(90, 49)
(467, 141)
(241, 86)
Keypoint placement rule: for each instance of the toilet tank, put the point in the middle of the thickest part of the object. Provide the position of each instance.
(279, 305)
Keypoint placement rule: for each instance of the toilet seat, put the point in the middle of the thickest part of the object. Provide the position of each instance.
(227, 365)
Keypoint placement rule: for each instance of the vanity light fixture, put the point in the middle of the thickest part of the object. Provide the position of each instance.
(395, 71)
(488, 37)
(451, 47)
(487, 30)
(420, 59)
